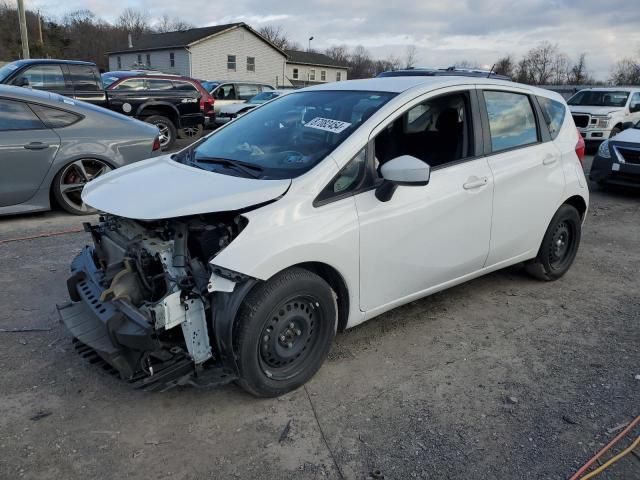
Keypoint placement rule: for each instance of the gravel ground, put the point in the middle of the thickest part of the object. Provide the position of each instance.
(503, 377)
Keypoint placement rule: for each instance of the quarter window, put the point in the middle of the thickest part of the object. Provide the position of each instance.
(553, 113)
(511, 120)
(132, 84)
(251, 64)
(172, 59)
(231, 62)
(55, 118)
(346, 181)
(295, 73)
(158, 84)
(184, 86)
(17, 116)
(46, 77)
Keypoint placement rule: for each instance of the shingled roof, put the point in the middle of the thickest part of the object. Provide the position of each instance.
(181, 38)
(313, 58)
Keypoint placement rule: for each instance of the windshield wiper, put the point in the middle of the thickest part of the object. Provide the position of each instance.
(253, 171)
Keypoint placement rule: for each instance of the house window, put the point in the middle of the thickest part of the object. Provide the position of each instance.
(295, 73)
(231, 62)
(172, 59)
(312, 74)
(139, 59)
(119, 62)
(338, 76)
(148, 59)
(323, 75)
(251, 64)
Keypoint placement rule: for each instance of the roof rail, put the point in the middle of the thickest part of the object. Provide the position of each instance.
(435, 72)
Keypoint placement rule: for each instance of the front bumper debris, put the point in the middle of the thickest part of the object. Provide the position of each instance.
(125, 340)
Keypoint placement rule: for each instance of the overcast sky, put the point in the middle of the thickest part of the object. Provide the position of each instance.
(444, 32)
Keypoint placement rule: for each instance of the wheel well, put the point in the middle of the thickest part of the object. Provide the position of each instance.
(159, 110)
(578, 203)
(337, 283)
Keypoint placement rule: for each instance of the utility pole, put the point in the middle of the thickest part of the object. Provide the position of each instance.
(40, 42)
(22, 19)
(309, 49)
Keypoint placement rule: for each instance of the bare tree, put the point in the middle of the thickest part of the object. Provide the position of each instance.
(560, 69)
(360, 63)
(277, 35)
(626, 72)
(339, 53)
(578, 74)
(505, 66)
(133, 21)
(168, 24)
(410, 56)
(540, 62)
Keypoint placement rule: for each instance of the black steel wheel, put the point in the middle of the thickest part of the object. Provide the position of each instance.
(284, 331)
(559, 245)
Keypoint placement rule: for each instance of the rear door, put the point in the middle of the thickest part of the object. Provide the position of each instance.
(87, 84)
(527, 171)
(27, 151)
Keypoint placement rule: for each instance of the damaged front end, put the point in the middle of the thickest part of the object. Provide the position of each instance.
(146, 300)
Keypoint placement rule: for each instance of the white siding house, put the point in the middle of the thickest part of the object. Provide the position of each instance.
(311, 68)
(222, 52)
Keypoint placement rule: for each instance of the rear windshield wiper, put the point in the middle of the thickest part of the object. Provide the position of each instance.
(253, 171)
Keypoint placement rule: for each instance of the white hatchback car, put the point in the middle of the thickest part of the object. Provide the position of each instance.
(240, 257)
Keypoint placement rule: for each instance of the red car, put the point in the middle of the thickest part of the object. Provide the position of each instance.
(138, 81)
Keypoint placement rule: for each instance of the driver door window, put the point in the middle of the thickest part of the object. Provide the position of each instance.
(44, 77)
(226, 92)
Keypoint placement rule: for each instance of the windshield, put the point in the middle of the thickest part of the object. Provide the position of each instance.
(7, 70)
(108, 79)
(263, 97)
(595, 98)
(288, 136)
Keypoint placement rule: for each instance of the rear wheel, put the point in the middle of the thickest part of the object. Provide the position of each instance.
(69, 182)
(284, 332)
(191, 133)
(559, 245)
(167, 130)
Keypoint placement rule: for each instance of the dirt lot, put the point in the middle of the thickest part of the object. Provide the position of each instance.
(504, 377)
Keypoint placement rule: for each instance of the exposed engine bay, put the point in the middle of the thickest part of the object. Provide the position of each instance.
(143, 296)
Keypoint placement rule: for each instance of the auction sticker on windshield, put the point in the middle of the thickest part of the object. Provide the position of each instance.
(328, 125)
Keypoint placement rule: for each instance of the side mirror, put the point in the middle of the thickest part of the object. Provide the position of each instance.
(626, 125)
(22, 82)
(403, 170)
(634, 107)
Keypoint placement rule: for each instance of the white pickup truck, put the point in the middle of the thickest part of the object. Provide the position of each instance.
(600, 112)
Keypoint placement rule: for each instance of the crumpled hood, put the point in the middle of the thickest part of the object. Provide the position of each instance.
(630, 135)
(593, 110)
(161, 188)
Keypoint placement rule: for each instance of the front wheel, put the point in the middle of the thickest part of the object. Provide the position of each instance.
(167, 130)
(559, 245)
(70, 181)
(284, 332)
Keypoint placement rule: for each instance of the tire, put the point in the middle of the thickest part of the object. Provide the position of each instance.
(191, 133)
(614, 131)
(167, 129)
(284, 331)
(70, 180)
(559, 245)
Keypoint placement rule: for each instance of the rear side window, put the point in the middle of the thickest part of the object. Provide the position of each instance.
(512, 122)
(553, 113)
(245, 92)
(55, 118)
(184, 86)
(17, 116)
(84, 77)
(159, 84)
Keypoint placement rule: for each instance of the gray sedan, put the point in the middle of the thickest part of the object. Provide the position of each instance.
(51, 145)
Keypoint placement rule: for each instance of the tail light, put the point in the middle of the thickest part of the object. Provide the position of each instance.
(580, 148)
(156, 144)
(206, 103)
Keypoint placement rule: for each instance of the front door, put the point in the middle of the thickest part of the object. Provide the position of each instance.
(426, 236)
(27, 150)
(225, 94)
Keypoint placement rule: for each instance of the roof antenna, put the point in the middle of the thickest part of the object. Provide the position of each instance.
(491, 71)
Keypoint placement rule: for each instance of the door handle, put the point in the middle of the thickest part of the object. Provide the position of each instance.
(475, 182)
(36, 146)
(549, 160)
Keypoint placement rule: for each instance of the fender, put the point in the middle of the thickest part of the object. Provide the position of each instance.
(155, 103)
